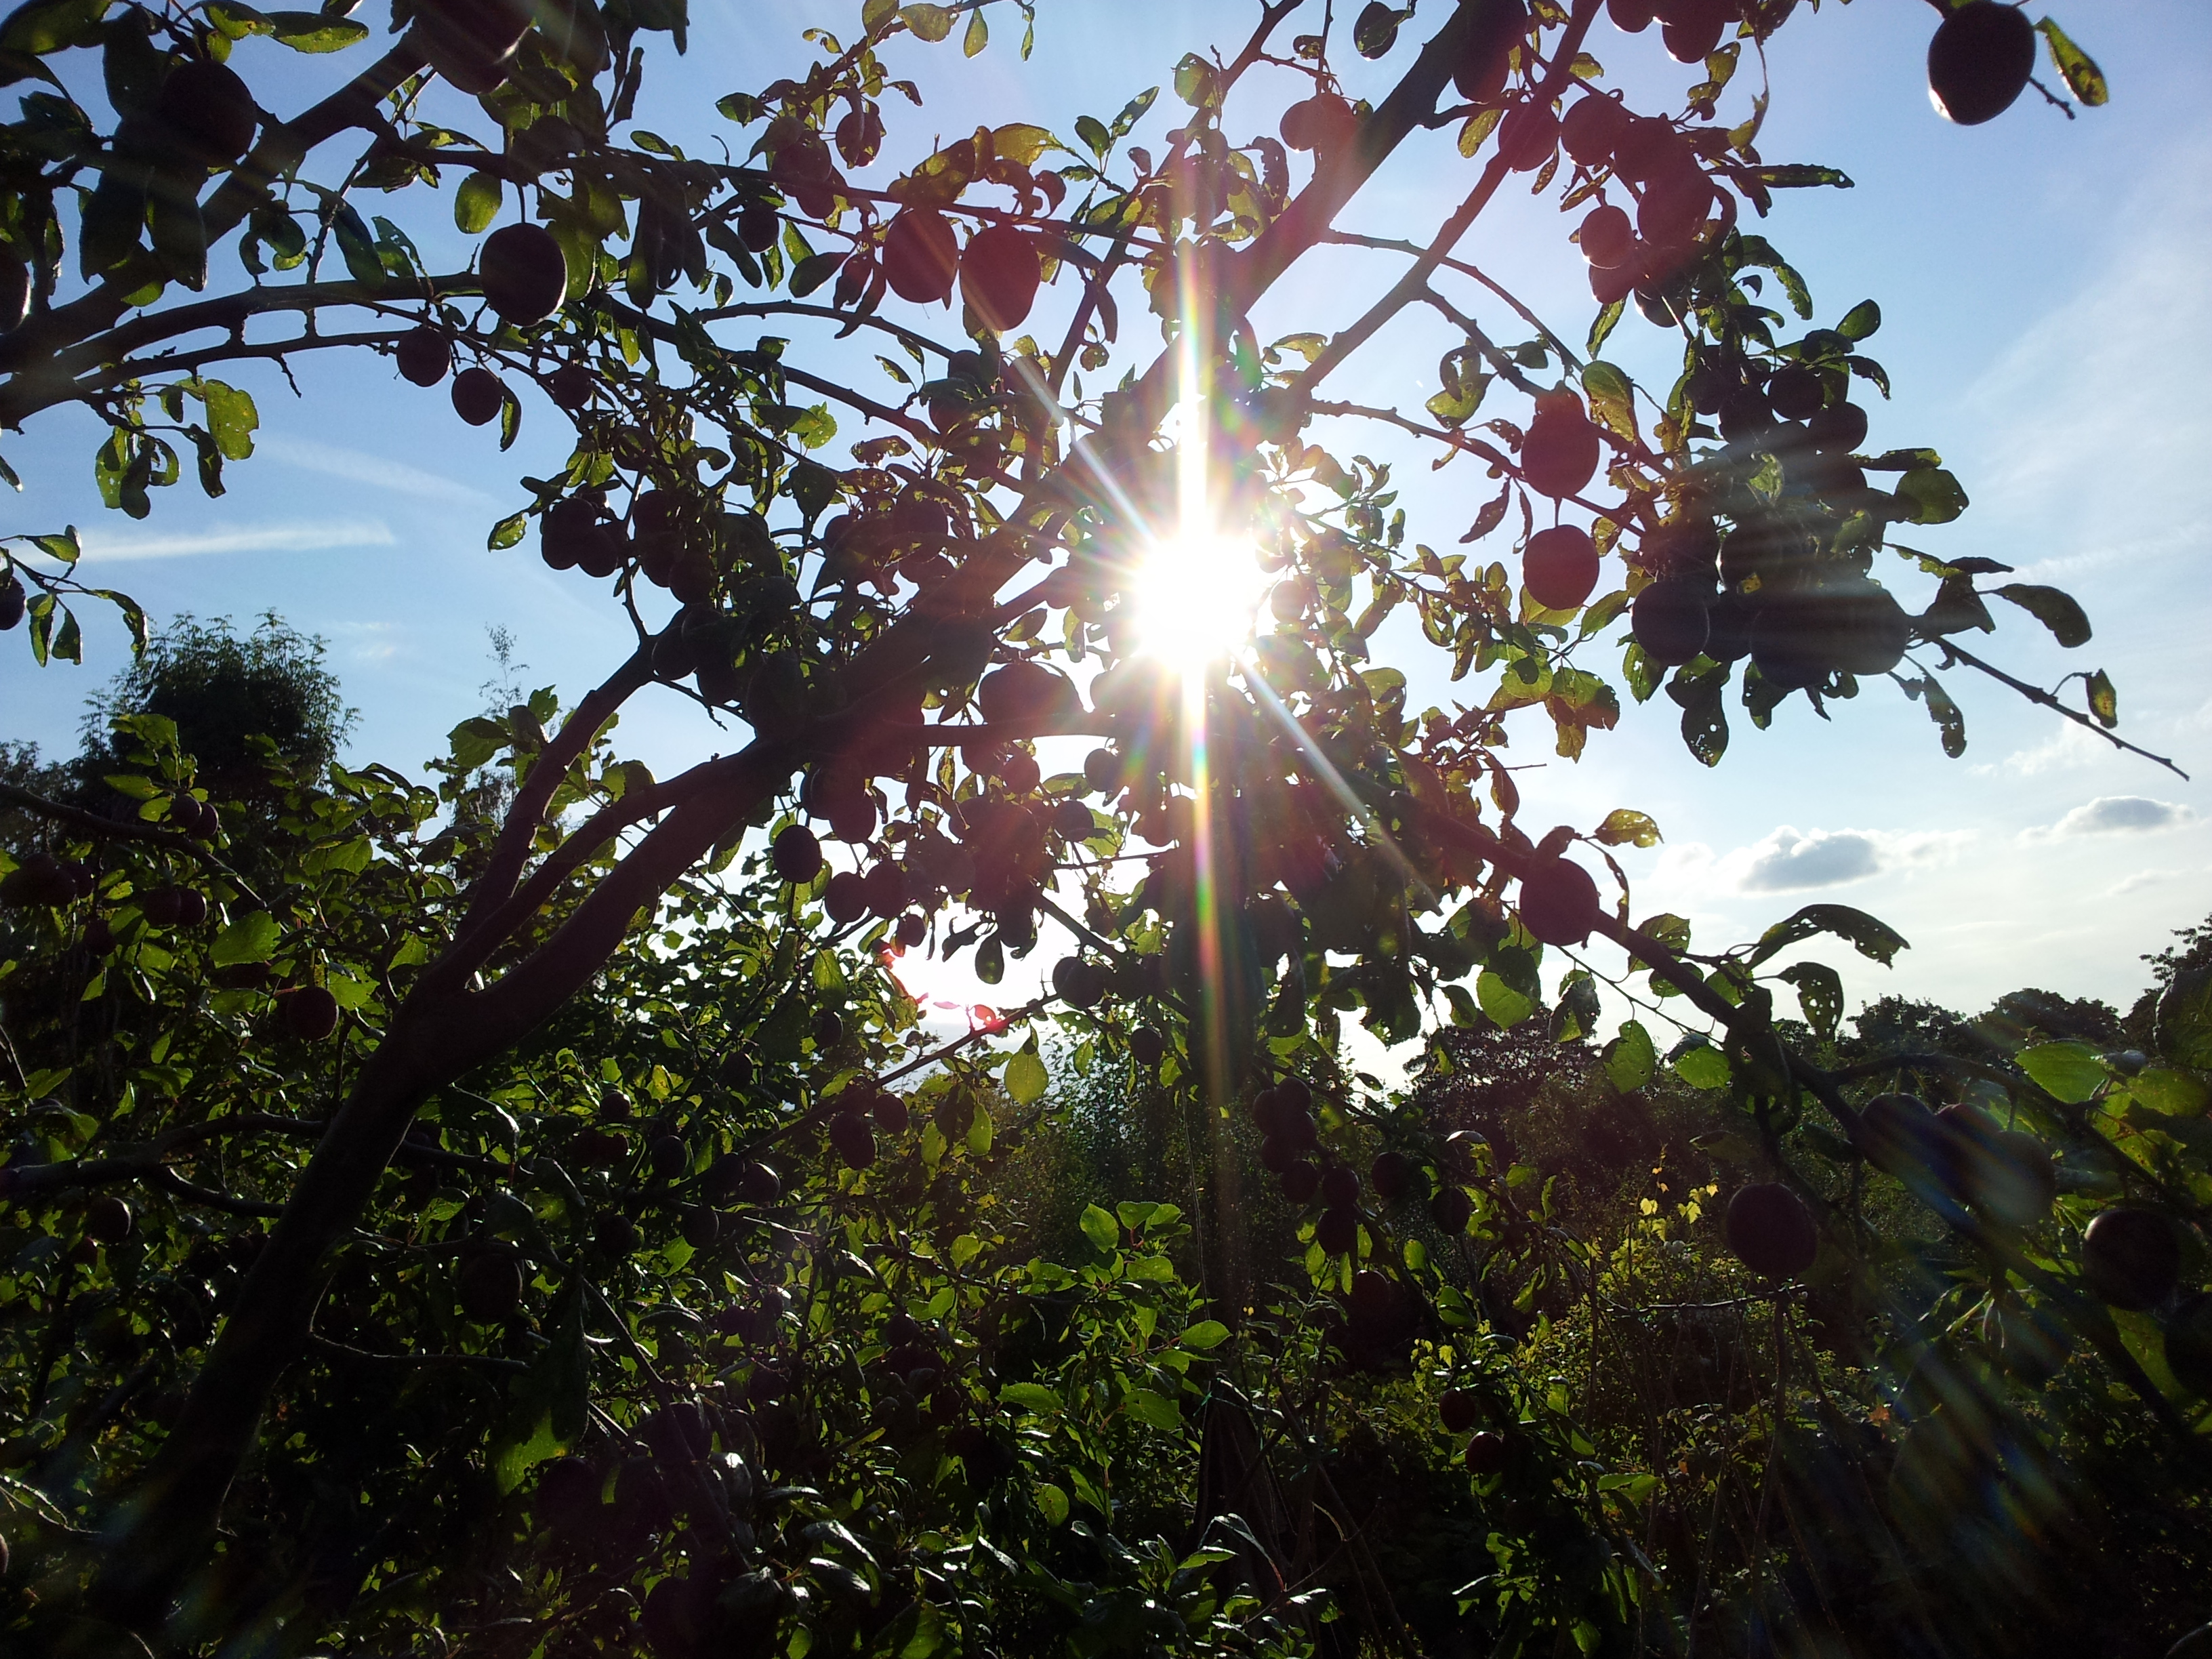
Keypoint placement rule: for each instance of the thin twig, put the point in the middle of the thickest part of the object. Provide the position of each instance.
(2037, 694)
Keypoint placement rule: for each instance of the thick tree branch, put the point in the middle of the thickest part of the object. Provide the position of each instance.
(567, 747)
(29, 349)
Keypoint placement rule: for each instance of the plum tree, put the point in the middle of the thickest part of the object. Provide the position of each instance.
(912, 627)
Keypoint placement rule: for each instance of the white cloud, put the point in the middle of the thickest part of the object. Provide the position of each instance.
(2111, 815)
(401, 479)
(297, 535)
(2140, 879)
(2069, 746)
(1791, 861)
(371, 642)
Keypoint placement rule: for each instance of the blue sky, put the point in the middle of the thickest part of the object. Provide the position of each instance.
(2041, 283)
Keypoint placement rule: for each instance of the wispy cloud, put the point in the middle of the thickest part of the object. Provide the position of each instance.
(369, 642)
(2113, 815)
(360, 467)
(296, 536)
(2141, 879)
(2068, 746)
(1791, 861)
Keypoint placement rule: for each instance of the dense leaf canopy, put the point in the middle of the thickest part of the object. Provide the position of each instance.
(525, 1212)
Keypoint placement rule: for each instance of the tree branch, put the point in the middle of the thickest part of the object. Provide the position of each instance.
(567, 745)
(2037, 694)
(92, 823)
(279, 153)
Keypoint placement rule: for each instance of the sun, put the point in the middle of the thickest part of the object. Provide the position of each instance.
(1195, 596)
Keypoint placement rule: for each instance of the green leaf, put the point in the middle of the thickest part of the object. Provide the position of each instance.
(2168, 1092)
(1601, 328)
(316, 31)
(1629, 1058)
(1094, 135)
(475, 741)
(1025, 1077)
(2082, 76)
(1100, 1227)
(1194, 81)
(1504, 1004)
(357, 246)
(1156, 1410)
(1865, 934)
(2068, 1071)
(977, 37)
(2056, 610)
(1945, 713)
(1801, 175)
(232, 418)
(928, 23)
(1020, 141)
(1033, 1397)
(1623, 825)
(1931, 494)
(1860, 321)
(512, 1459)
(1705, 722)
(812, 271)
(1702, 1067)
(47, 26)
(1134, 112)
(1052, 1504)
(250, 937)
(1612, 399)
(1206, 1334)
(476, 203)
(68, 547)
(507, 531)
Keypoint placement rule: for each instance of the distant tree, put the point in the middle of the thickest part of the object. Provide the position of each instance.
(224, 689)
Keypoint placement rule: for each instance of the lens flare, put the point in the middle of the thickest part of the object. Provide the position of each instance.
(1196, 595)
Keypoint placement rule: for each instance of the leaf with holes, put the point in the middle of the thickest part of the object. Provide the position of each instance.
(1819, 995)
(1623, 826)
(1866, 935)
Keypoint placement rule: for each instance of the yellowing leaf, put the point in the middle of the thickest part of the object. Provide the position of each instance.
(928, 23)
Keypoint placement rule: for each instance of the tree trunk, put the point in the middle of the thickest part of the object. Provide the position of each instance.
(161, 1532)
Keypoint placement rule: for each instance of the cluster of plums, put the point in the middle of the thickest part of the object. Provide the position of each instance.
(524, 277)
(1487, 1451)
(1290, 1144)
(1761, 588)
(1673, 199)
(998, 271)
(1958, 1156)
(42, 879)
(864, 1109)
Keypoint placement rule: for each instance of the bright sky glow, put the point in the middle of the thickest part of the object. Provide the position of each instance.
(1195, 596)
